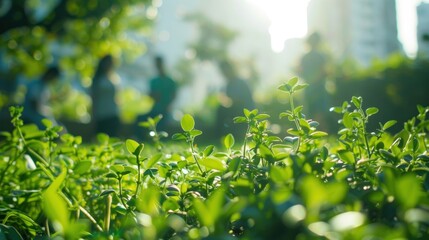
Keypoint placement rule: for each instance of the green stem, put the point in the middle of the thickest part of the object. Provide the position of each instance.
(368, 150)
(296, 121)
(48, 232)
(138, 176)
(108, 212)
(191, 143)
(245, 140)
(120, 192)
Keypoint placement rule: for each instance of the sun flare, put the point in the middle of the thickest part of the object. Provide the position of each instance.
(288, 20)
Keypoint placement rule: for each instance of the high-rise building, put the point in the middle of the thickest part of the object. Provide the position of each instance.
(360, 29)
(423, 30)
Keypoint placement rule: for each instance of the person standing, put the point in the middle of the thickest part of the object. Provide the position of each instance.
(163, 90)
(314, 70)
(105, 112)
(236, 97)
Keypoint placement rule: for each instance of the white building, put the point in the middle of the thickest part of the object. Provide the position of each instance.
(361, 29)
(423, 29)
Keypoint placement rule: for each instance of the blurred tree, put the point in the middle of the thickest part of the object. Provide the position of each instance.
(214, 39)
(70, 33)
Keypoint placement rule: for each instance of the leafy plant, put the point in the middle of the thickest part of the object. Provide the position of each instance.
(359, 184)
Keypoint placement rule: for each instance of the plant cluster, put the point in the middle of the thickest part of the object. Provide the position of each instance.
(305, 186)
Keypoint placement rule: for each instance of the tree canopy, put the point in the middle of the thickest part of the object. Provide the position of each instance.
(71, 33)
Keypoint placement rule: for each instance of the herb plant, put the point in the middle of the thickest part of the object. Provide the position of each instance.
(359, 184)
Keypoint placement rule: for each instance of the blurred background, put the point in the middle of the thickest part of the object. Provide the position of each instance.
(375, 49)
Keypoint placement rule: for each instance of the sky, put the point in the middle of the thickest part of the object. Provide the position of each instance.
(297, 13)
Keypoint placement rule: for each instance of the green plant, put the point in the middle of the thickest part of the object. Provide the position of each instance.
(359, 184)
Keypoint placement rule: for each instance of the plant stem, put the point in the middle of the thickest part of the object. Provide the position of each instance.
(295, 119)
(108, 212)
(368, 150)
(120, 192)
(48, 232)
(191, 143)
(138, 176)
(245, 140)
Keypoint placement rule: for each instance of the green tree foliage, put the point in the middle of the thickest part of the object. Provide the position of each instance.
(73, 33)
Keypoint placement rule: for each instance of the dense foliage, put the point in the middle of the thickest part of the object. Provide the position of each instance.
(307, 185)
(70, 33)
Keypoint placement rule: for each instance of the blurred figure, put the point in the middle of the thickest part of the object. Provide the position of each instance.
(105, 112)
(163, 90)
(36, 103)
(314, 70)
(236, 97)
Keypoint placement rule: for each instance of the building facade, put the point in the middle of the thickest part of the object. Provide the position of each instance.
(358, 29)
(423, 30)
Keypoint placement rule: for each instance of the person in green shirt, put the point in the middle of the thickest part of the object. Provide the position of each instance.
(163, 90)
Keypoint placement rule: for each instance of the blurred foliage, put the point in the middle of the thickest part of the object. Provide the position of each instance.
(214, 39)
(133, 103)
(394, 85)
(71, 33)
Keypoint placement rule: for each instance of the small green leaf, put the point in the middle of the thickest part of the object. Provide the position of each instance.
(262, 116)
(117, 168)
(54, 206)
(47, 123)
(240, 119)
(347, 120)
(267, 153)
(187, 123)
(318, 134)
(324, 153)
(423, 157)
(178, 136)
(336, 109)
(173, 190)
(293, 81)
(299, 87)
(82, 167)
(285, 114)
(112, 175)
(134, 147)
(357, 101)
(304, 124)
(234, 164)
(106, 192)
(212, 163)
(195, 132)
(346, 156)
(371, 111)
(389, 124)
(253, 113)
(388, 155)
(416, 144)
(229, 141)
(208, 150)
(246, 112)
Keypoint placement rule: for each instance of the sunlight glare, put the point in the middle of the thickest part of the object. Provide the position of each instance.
(288, 20)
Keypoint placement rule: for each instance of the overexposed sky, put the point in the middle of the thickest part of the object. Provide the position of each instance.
(407, 24)
(297, 14)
